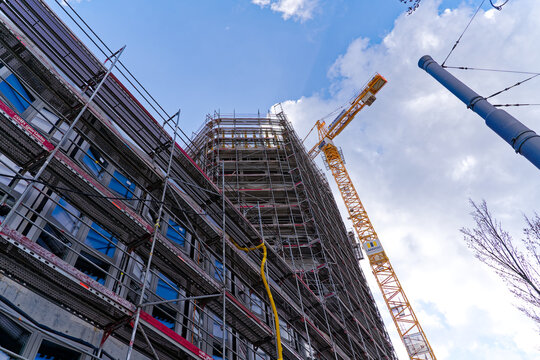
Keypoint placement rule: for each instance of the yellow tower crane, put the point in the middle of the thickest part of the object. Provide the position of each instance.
(407, 324)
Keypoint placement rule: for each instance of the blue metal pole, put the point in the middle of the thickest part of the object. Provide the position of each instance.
(522, 139)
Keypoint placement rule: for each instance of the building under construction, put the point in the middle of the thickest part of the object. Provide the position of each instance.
(116, 244)
(278, 188)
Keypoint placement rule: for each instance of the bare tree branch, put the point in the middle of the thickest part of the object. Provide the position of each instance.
(495, 247)
(413, 5)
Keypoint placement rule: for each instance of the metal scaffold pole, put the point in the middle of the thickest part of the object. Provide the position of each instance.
(62, 141)
(154, 238)
(223, 274)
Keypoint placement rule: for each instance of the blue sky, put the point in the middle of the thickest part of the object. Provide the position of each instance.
(416, 156)
(232, 55)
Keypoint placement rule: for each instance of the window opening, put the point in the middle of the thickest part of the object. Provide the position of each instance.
(68, 217)
(101, 240)
(135, 283)
(94, 162)
(20, 103)
(51, 351)
(218, 272)
(217, 330)
(260, 354)
(163, 312)
(198, 323)
(121, 185)
(165, 289)
(12, 336)
(93, 267)
(45, 120)
(286, 332)
(256, 304)
(54, 241)
(176, 233)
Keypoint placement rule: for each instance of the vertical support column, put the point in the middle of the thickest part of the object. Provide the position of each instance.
(62, 141)
(300, 171)
(223, 258)
(154, 238)
(284, 130)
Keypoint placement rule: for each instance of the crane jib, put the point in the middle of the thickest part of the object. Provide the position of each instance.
(407, 324)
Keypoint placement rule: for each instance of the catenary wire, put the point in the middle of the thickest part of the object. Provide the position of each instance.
(494, 70)
(534, 74)
(507, 105)
(460, 36)
(513, 86)
(498, 7)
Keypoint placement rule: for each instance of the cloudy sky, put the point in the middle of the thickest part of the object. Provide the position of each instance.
(416, 156)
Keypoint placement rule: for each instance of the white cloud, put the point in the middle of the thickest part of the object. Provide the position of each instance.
(418, 154)
(464, 168)
(301, 10)
(66, 2)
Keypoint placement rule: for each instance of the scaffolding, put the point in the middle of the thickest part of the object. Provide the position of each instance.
(267, 168)
(110, 219)
(107, 218)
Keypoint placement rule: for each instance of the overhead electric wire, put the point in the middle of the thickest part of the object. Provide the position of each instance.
(507, 105)
(534, 74)
(460, 36)
(510, 87)
(494, 70)
(498, 7)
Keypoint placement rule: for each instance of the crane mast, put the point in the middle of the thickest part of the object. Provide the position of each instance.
(408, 327)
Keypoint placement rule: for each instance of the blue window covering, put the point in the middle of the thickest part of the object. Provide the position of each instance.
(122, 185)
(176, 233)
(165, 316)
(92, 266)
(217, 330)
(20, 103)
(218, 274)
(165, 289)
(101, 240)
(163, 312)
(92, 159)
(67, 216)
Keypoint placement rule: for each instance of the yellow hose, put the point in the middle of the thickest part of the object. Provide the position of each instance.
(263, 276)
